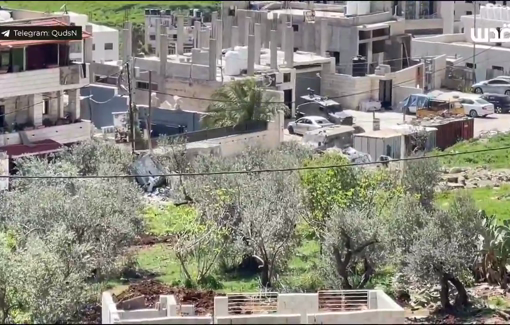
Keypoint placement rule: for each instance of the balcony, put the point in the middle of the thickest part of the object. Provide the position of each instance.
(43, 80)
(64, 134)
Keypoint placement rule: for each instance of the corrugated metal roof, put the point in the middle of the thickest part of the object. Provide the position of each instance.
(37, 148)
(383, 133)
(42, 22)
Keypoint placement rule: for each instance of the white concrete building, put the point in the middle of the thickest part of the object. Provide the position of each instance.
(105, 47)
(490, 58)
(40, 86)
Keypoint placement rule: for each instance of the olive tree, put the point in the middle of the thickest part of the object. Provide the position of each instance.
(434, 245)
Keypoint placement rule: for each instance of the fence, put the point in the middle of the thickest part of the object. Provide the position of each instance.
(247, 127)
(342, 300)
(252, 303)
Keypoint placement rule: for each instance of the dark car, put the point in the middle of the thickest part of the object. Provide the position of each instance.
(501, 102)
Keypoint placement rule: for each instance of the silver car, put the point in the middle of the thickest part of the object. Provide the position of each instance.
(308, 123)
(496, 86)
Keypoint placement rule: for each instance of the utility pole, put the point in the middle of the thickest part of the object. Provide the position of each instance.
(474, 43)
(131, 113)
(149, 122)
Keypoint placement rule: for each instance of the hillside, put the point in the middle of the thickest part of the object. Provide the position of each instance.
(111, 13)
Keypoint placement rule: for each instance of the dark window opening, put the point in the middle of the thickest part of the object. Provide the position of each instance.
(470, 65)
(286, 77)
(495, 67)
(93, 47)
(152, 37)
(44, 56)
(108, 46)
(145, 85)
(380, 32)
(295, 28)
(46, 109)
(5, 61)
(469, 12)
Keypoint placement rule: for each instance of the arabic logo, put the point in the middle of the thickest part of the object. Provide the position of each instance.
(483, 35)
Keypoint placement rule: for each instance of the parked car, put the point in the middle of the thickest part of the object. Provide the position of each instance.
(308, 123)
(501, 102)
(497, 86)
(475, 107)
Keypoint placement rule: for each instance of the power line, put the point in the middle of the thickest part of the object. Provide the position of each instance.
(55, 97)
(233, 172)
(332, 97)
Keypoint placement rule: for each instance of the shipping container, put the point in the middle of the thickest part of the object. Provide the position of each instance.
(449, 132)
(378, 143)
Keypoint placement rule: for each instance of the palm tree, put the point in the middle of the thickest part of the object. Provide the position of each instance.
(241, 101)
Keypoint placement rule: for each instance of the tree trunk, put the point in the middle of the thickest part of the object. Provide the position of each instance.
(462, 298)
(367, 275)
(503, 276)
(445, 293)
(264, 276)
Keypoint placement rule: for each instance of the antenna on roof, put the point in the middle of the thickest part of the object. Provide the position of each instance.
(64, 9)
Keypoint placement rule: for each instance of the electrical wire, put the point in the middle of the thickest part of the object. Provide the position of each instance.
(332, 97)
(257, 171)
(56, 97)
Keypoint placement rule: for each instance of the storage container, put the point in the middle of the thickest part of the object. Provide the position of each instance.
(451, 131)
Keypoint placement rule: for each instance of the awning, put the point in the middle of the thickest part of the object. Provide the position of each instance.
(37, 148)
(42, 22)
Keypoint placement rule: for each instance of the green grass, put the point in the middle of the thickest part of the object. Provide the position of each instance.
(491, 200)
(494, 159)
(109, 13)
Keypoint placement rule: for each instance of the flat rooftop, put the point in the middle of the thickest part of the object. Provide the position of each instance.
(301, 12)
(102, 28)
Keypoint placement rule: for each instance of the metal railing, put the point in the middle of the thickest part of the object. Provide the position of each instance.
(343, 300)
(252, 303)
(248, 127)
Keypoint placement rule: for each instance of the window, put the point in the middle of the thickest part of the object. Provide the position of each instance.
(5, 60)
(482, 101)
(295, 28)
(75, 47)
(93, 47)
(320, 122)
(462, 30)
(286, 77)
(145, 85)
(46, 109)
(108, 46)
(498, 82)
(469, 1)
(493, 2)
(467, 101)
(495, 67)
(470, 65)
(304, 121)
(152, 37)
(469, 12)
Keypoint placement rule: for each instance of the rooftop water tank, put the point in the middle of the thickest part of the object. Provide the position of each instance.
(498, 12)
(352, 8)
(505, 14)
(490, 11)
(232, 64)
(243, 56)
(363, 7)
(483, 12)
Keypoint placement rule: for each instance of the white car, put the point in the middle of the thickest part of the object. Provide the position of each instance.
(308, 123)
(475, 107)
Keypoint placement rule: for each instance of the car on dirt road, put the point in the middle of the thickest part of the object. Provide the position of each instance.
(494, 86)
(476, 107)
(308, 123)
(501, 102)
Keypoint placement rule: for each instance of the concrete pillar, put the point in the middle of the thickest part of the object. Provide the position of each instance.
(247, 30)
(60, 104)
(258, 42)
(74, 103)
(265, 32)
(180, 34)
(227, 31)
(289, 47)
(306, 37)
(164, 53)
(195, 55)
(212, 59)
(241, 23)
(220, 306)
(234, 37)
(196, 34)
(214, 21)
(219, 38)
(53, 109)
(324, 35)
(251, 55)
(35, 110)
(273, 50)
(158, 36)
(283, 30)
(204, 38)
(369, 56)
(446, 10)
(87, 45)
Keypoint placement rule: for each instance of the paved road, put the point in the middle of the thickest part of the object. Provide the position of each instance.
(500, 122)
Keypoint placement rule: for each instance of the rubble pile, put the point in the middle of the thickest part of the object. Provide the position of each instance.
(468, 178)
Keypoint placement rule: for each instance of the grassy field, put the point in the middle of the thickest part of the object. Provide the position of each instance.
(494, 159)
(110, 13)
(493, 201)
